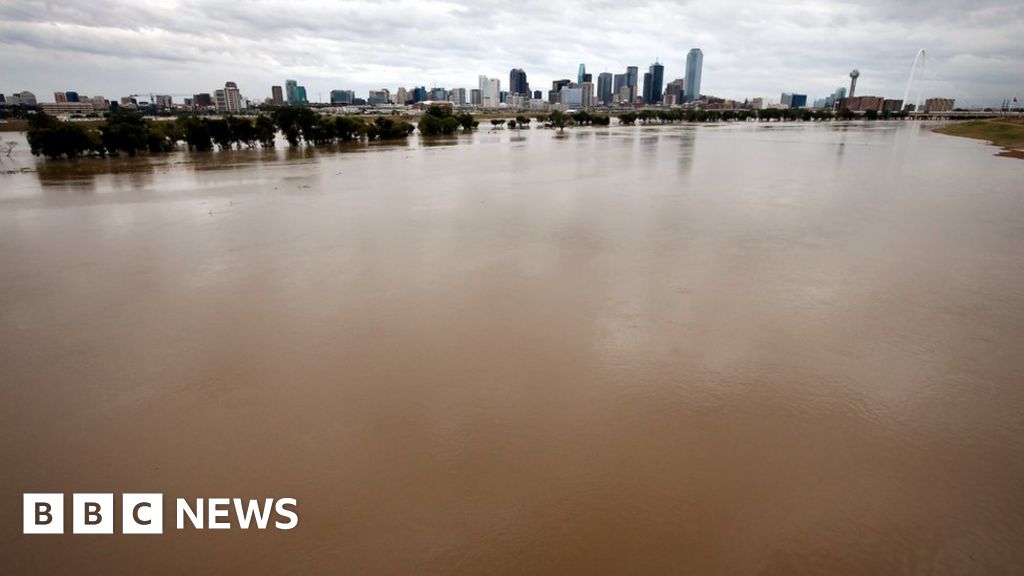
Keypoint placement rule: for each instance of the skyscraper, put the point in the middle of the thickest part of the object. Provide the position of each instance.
(490, 92)
(229, 99)
(604, 88)
(276, 96)
(378, 97)
(631, 81)
(617, 86)
(342, 96)
(517, 83)
(694, 65)
(293, 93)
(457, 96)
(674, 92)
(587, 97)
(653, 82)
(580, 76)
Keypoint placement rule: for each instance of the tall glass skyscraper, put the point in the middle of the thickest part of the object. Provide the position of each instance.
(580, 76)
(604, 88)
(517, 83)
(694, 64)
(631, 81)
(653, 82)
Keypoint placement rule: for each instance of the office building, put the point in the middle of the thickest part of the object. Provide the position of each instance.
(587, 96)
(654, 79)
(276, 96)
(295, 95)
(66, 108)
(694, 66)
(342, 97)
(554, 95)
(379, 97)
(229, 99)
(604, 88)
(938, 105)
(794, 100)
(570, 97)
(632, 77)
(673, 95)
(618, 84)
(891, 105)
(517, 83)
(457, 96)
(99, 104)
(490, 92)
(863, 103)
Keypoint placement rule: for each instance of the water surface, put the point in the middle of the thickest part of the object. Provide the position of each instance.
(733, 349)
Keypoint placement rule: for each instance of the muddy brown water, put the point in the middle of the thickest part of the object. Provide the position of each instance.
(731, 349)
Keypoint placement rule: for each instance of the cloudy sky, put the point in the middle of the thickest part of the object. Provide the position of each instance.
(760, 48)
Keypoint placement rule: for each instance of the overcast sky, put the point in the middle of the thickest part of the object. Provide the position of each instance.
(751, 48)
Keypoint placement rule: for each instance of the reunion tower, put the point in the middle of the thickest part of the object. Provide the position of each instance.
(853, 82)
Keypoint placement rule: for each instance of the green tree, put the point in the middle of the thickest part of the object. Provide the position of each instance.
(467, 122)
(558, 120)
(347, 128)
(265, 131)
(125, 131)
(197, 134)
(385, 128)
(220, 131)
(242, 131)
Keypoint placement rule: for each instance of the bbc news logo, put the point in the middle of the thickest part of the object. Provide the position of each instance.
(144, 513)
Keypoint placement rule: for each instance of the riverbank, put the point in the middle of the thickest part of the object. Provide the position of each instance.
(1004, 132)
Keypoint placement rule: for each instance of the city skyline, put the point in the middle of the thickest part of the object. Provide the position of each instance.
(189, 47)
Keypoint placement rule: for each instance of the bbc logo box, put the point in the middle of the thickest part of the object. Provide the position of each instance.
(93, 513)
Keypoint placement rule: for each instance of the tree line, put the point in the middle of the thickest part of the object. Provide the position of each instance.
(128, 132)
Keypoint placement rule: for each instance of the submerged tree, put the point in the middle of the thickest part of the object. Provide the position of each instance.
(438, 120)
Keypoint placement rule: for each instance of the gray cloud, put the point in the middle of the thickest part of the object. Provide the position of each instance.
(751, 49)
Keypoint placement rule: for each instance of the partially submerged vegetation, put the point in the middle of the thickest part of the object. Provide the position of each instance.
(128, 132)
(1005, 132)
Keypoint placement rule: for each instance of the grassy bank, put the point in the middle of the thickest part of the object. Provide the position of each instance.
(1005, 132)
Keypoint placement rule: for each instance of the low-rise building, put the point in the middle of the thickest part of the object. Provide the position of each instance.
(66, 108)
(938, 105)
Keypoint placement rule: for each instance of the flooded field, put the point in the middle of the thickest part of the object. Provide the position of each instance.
(734, 349)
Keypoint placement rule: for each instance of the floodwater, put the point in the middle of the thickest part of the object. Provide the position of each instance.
(734, 349)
